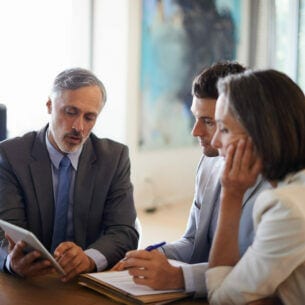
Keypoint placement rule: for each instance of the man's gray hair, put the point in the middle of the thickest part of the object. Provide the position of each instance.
(76, 78)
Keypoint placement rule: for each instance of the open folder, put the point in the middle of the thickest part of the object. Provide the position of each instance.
(120, 286)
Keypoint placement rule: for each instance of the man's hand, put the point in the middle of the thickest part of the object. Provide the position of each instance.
(119, 266)
(27, 264)
(73, 260)
(151, 269)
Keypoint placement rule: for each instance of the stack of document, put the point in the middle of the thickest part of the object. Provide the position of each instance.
(120, 286)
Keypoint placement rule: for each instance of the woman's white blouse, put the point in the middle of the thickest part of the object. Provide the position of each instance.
(275, 262)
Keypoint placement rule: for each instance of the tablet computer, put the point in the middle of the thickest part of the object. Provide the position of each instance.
(17, 233)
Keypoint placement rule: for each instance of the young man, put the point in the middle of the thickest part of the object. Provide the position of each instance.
(194, 246)
(97, 222)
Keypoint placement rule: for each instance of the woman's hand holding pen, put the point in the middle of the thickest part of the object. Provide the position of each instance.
(151, 268)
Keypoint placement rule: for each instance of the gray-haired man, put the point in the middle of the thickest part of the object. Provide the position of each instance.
(100, 213)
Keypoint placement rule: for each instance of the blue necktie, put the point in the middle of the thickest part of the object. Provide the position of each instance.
(62, 203)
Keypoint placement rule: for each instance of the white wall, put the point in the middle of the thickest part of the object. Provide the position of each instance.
(110, 48)
(38, 40)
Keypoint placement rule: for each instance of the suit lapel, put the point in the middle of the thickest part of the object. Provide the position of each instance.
(209, 196)
(43, 187)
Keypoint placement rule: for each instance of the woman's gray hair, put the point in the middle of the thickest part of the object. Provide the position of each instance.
(271, 107)
(76, 78)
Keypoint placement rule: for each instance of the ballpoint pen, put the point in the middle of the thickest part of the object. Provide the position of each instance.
(155, 246)
(149, 248)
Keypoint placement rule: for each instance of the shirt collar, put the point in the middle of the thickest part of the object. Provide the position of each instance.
(56, 156)
(294, 177)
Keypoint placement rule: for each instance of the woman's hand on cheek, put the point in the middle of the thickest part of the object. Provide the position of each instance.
(242, 167)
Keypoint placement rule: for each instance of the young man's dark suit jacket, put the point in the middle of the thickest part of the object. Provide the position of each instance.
(103, 207)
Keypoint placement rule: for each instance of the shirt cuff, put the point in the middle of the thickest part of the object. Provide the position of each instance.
(194, 279)
(7, 265)
(161, 250)
(215, 276)
(99, 259)
(189, 283)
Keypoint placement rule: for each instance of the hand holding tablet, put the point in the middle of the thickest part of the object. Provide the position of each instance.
(17, 233)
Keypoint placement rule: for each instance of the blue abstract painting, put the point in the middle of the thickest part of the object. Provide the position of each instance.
(179, 38)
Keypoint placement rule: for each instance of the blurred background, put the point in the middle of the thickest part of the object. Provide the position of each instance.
(146, 53)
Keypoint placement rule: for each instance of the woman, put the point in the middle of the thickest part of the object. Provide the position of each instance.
(260, 128)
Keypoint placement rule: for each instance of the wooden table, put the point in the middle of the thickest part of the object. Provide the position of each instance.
(49, 290)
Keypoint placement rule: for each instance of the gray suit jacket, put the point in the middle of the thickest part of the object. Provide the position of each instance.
(194, 246)
(103, 207)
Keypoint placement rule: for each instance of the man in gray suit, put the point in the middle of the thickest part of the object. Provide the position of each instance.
(194, 246)
(101, 213)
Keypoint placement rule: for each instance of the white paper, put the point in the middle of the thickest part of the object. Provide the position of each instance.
(124, 281)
